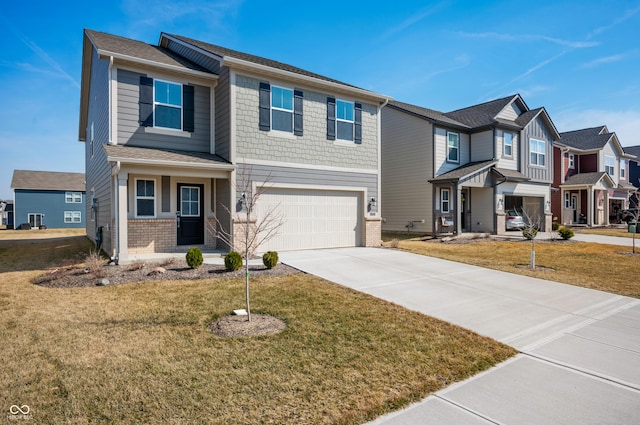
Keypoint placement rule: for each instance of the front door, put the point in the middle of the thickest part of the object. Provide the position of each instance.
(190, 214)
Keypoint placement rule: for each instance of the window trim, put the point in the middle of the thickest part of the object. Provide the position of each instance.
(443, 201)
(156, 103)
(71, 197)
(612, 166)
(572, 161)
(448, 147)
(504, 144)
(72, 215)
(136, 197)
(352, 121)
(623, 169)
(537, 153)
(567, 200)
(34, 221)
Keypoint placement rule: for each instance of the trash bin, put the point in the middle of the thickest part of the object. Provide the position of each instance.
(633, 227)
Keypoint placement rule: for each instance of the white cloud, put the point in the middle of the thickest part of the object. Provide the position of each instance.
(530, 37)
(603, 61)
(625, 123)
(412, 20)
(627, 15)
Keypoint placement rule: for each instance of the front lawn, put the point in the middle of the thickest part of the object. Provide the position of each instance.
(607, 268)
(142, 353)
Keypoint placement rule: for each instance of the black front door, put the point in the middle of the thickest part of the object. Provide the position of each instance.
(190, 214)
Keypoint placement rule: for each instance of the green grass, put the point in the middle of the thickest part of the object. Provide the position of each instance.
(141, 353)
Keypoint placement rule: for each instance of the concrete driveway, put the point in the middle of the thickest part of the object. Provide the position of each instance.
(579, 360)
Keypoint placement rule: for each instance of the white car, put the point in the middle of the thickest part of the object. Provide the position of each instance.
(514, 220)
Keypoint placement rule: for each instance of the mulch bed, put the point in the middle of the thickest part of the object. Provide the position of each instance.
(177, 269)
(236, 326)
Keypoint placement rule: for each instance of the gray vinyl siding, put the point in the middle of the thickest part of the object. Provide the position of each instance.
(131, 133)
(222, 115)
(311, 177)
(482, 146)
(510, 112)
(407, 165)
(537, 129)
(510, 163)
(97, 169)
(312, 147)
(440, 151)
(482, 211)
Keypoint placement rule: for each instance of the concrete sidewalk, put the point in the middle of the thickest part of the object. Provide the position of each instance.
(580, 348)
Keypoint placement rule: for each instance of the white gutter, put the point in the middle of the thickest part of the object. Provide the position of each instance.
(114, 172)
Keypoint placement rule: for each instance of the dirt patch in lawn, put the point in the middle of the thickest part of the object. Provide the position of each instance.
(78, 276)
(237, 326)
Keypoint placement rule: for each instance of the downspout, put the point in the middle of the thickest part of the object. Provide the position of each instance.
(114, 172)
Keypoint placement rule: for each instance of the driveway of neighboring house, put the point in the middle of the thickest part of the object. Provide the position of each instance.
(579, 360)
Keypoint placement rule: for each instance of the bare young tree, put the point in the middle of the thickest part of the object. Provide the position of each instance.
(530, 231)
(635, 218)
(249, 232)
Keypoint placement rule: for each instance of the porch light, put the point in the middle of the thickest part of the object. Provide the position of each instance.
(500, 203)
(547, 206)
(372, 202)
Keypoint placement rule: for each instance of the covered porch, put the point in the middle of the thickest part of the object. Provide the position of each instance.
(166, 201)
(586, 200)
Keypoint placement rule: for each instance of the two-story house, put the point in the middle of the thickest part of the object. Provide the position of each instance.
(591, 178)
(48, 199)
(634, 174)
(171, 128)
(6, 214)
(465, 170)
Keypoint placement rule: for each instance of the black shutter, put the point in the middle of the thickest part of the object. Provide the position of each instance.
(187, 108)
(357, 125)
(265, 107)
(297, 112)
(146, 101)
(331, 118)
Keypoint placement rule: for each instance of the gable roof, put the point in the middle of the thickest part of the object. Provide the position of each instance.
(47, 180)
(465, 170)
(483, 114)
(589, 179)
(633, 150)
(586, 138)
(428, 114)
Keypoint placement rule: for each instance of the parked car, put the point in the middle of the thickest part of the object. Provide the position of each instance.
(514, 220)
(629, 214)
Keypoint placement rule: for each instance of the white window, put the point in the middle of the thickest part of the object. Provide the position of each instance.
(508, 144)
(444, 201)
(145, 198)
(167, 104)
(72, 217)
(609, 165)
(623, 169)
(453, 147)
(281, 109)
(73, 197)
(538, 152)
(344, 119)
(190, 201)
(567, 200)
(572, 161)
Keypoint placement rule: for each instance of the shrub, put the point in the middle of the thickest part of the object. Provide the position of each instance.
(194, 258)
(395, 243)
(232, 261)
(565, 233)
(94, 263)
(530, 233)
(555, 226)
(270, 259)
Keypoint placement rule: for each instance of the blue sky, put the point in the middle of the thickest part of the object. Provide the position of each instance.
(580, 59)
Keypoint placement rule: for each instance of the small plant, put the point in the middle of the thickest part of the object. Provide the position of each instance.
(270, 259)
(232, 261)
(395, 243)
(565, 233)
(555, 226)
(194, 258)
(136, 265)
(530, 233)
(94, 263)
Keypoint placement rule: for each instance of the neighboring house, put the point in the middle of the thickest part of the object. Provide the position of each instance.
(463, 171)
(171, 129)
(634, 173)
(6, 214)
(48, 199)
(591, 178)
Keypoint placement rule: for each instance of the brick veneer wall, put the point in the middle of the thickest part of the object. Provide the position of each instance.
(160, 235)
(373, 231)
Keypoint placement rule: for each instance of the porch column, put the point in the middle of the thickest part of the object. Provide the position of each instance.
(458, 204)
(591, 206)
(123, 240)
(606, 207)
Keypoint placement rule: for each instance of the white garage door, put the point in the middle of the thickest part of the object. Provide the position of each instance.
(313, 218)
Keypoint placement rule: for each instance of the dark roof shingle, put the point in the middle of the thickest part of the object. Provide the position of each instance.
(429, 114)
(47, 180)
(586, 138)
(464, 170)
(140, 50)
(482, 114)
(584, 179)
(137, 154)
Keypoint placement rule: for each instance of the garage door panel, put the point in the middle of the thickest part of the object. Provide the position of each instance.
(313, 218)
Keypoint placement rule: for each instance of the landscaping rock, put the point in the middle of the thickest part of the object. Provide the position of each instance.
(157, 270)
(103, 282)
